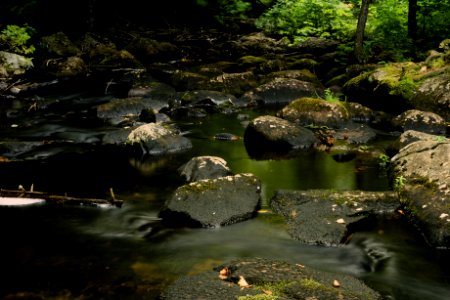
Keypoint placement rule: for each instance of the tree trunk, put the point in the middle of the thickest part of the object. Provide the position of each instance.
(412, 20)
(362, 20)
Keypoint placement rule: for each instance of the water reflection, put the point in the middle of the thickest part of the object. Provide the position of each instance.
(89, 251)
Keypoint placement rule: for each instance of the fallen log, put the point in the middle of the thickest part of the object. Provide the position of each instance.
(59, 199)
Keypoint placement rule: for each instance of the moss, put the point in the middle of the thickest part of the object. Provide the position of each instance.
(250, 60)
(258, 297)
(311, 284)
(276, 288)
(356, 81)
(406, 88)
(198, 187)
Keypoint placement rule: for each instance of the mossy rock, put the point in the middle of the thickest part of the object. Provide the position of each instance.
(388, 88)
(315, 111)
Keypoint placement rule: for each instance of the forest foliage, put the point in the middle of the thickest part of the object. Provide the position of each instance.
(298, 20)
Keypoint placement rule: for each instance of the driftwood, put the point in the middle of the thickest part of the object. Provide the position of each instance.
(58, 199)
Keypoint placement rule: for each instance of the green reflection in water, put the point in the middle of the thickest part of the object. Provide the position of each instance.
(309, 170)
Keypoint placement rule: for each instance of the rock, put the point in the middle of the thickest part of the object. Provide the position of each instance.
(147, 50)
(156, 139)
(421, 175)
(316, 112)
(354, 133)
(232, 83)
(207, 98)
(117, 111)
(281, 91)
(386, 88)
(302, 75)
(411, 136)
(65, 67)
(325, 217)
(214, 202)
(433, 94)
(269, 134)
(59, 45)
(205, 167)
(257, 278)
(12, 64)
(423, 121)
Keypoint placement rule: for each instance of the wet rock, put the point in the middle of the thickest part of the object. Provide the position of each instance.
(157, 139)
(14, 149)
(423, 121)
(281, 91)
(206, 98)
(232, 83)
(272, 134)
(117, 111)
(205, 167)
(355, 133)
(302, 75)
(325, 217)
(214, 202)
(316, 112)
(153, 90)
(188, 80)
(288, 281)
(421, 174)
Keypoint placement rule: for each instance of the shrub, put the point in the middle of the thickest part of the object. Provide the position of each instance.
(16, 38)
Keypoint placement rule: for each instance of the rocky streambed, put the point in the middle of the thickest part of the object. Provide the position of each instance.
(134, 108)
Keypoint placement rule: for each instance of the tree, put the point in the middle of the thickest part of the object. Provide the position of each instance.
(412, 19)
(362, 20)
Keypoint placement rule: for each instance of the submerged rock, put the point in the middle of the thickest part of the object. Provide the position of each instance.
(325, 217)
(256, 278)
(214, 202)
(205, 167)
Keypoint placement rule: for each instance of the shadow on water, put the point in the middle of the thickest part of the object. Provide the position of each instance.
(66, 251)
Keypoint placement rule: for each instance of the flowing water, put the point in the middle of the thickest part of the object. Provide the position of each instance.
(125, 253)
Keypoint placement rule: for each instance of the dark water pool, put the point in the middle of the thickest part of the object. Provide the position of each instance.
(124, 253)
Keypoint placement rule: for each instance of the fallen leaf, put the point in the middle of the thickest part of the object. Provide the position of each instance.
(336, 283)
(340, 221)
(243, 283)
(224, 273)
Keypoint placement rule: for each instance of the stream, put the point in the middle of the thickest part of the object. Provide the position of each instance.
(79, 252)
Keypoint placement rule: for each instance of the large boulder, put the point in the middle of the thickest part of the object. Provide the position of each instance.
(257, 278)
(269, 134)
(421, 175)
(325, 217)
(386, 88)
(214, 202)
(433, 94)
(423, 121)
